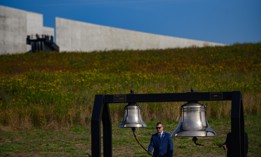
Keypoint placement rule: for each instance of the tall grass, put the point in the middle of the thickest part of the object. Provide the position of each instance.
(58, 89)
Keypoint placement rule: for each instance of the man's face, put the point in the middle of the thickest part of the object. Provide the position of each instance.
(159, 128)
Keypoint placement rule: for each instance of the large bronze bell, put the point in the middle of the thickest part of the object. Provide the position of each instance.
(193, 121)
(132, 117)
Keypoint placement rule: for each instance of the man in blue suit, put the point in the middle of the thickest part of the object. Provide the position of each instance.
(161, 142)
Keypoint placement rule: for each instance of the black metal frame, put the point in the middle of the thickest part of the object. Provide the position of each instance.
(101, 112)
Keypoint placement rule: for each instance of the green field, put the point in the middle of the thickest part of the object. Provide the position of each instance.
(47, 93)
(76, 141)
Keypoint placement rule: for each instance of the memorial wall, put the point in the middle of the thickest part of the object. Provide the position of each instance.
(76, 36)
(81, 36)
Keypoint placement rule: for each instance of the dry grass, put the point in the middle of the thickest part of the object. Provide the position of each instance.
(57, 90)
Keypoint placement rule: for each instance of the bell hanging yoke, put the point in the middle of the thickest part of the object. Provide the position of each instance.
(101, 113)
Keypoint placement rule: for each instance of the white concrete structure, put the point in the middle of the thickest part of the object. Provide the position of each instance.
(34, 23)
(15, 25)
(79, 36)
(75, 36)
(48, 31)
(12, 30)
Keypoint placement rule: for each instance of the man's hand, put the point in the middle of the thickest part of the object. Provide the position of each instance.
(224, 147)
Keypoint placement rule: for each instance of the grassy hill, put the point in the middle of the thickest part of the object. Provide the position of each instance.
(43, 93)
(53, 90)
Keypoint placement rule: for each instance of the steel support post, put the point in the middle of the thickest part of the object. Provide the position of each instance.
(238, 147)
(96, 125)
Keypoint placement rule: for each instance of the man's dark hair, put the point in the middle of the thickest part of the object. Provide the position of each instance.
(158, 123)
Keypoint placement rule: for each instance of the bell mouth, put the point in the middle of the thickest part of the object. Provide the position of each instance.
(122, 125)
(179, 132)
(195, 133)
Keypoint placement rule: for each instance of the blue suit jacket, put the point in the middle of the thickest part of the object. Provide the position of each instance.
(162, 147)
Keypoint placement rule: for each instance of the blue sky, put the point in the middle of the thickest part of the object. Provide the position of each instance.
(223, 21)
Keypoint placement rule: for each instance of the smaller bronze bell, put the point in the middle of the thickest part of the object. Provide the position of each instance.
(193, 121)
(132, 117)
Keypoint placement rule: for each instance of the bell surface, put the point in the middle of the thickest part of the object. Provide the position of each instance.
(132, 117)
(193, 121)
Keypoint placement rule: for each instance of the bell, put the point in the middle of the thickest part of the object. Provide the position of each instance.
(132, 117)
(193, 121)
